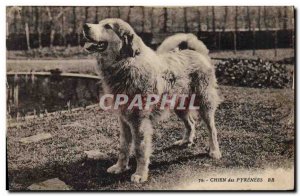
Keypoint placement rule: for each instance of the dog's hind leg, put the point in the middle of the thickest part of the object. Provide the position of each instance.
(189, 134)
(208, 105)
(125, 140)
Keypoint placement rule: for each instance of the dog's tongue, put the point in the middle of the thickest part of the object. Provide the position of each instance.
(89, 46)
(92, 47)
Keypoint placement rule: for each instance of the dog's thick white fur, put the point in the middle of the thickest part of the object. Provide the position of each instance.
(127, 66)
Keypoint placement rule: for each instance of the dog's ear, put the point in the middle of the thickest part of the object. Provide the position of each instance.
(129, 45)
(129, 48)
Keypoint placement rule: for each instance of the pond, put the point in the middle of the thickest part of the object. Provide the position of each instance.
(33, 93)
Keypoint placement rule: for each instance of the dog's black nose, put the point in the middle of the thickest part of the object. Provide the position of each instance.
(86, 28)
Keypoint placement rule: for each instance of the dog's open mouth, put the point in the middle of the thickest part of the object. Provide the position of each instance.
(97, 47)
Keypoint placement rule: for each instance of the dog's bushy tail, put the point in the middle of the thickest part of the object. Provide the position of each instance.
(182, 41)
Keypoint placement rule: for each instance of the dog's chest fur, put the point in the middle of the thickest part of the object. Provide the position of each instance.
(125, 78)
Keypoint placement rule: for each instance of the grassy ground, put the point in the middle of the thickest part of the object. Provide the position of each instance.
(87, 65)
(266, 54)
(83, 66)
(256, 131)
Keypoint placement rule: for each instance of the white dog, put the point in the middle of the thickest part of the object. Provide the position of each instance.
(128, 66)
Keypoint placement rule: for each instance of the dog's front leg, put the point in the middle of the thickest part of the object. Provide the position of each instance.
(125, 140)
(142, 138)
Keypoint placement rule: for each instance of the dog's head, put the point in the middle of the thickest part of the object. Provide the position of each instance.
(111, 36)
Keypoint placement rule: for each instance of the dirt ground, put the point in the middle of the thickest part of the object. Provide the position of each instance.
(256, 131)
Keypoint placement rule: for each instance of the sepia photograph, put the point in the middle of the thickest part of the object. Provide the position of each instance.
(150, 98)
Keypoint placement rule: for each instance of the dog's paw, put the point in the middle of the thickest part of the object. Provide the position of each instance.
(216, 154)
(116, 169)
(139, 178)
(183, 142)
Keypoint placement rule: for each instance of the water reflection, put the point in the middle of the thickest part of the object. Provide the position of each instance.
(35, 93)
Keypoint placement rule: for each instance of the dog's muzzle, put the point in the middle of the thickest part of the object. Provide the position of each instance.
(96, 47)
(91, 45)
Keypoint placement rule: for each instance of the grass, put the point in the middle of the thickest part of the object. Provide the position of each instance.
(256, 131)
(266, 54)
(83, 66)
(88, 65)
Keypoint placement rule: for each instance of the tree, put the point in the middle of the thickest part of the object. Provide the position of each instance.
(213, 19)
(25, 21)
(86, 14)
(37, 25)
(259, 18)
(96, 15)
(62, 29)
(52, 21)
(143, 18)
(248, 19)
(225, 18)
(119, 12)
(109, 12)
(285, 17)
(186, 28)
(235, 29)
(207, 17)
(128, 14)
(165, 28)
(74, 19)
(199, 19)
(265, 18)
(152, 15)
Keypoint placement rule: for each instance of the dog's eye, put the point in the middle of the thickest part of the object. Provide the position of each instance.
(107, 26)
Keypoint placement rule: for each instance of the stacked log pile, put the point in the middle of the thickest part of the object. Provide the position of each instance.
(255, 73)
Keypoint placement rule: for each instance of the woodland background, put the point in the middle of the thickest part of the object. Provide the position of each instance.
(220, 27)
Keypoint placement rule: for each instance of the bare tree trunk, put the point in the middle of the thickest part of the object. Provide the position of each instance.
(27, 35)
(79, 26)
(74, 19)
(225, 18)
(63, 22)
(86, 14)
(207, 18)
(96, 15)
(75, 24)
(165, 28)
(52, 21)
(248, 18)
(253, 27)
(128, 15)
(38, 26)
(235, 29)
(285, 18)
(265, 18)
(15, 23)
(276, 33)
(279, 18)
(119, 12)
(151, 28)
(186, 28)
(52, 34)
(109, 12)
(25, 20)
(52, 31)
(213, 19)
(259, 18)
(40, 37)
(199, 19)
(143, 19)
